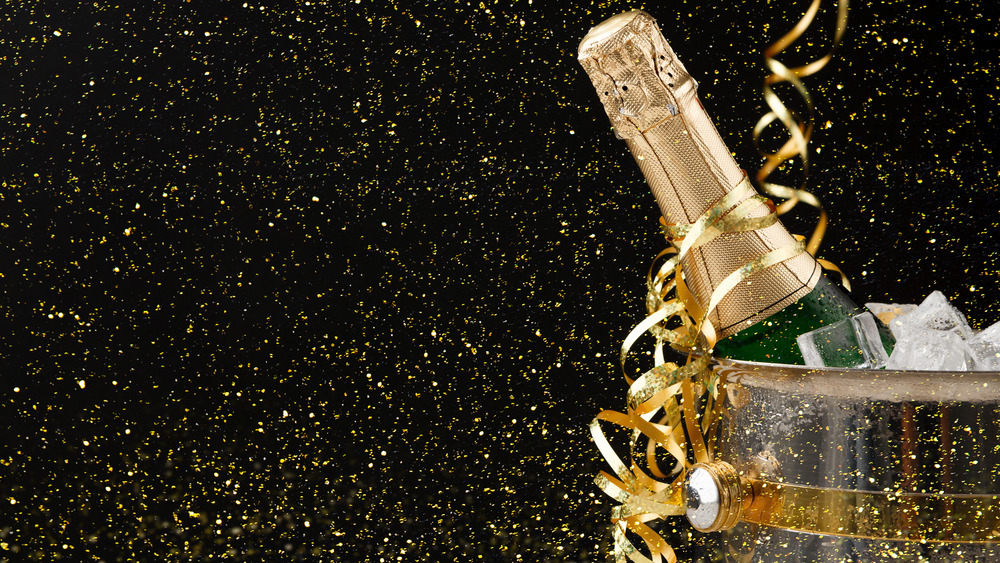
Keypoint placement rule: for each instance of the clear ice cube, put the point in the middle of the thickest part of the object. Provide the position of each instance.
(850, 343)
(888, 311)
(934, 313)
(986, 348)
(919, 347)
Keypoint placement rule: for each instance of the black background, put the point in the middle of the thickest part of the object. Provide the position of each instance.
(346, 281)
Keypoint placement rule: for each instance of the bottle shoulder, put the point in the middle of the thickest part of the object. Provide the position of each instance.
(773, 339)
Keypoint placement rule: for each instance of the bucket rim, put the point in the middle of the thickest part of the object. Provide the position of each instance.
(871, 384)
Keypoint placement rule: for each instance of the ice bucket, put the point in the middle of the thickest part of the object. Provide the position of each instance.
(833, 465)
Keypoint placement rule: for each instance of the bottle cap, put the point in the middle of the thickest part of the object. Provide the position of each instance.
(592, 43)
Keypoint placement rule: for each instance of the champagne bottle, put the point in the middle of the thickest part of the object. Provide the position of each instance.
(653, 105)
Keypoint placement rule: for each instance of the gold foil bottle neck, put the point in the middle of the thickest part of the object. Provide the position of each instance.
(637, 74)
(653, 104)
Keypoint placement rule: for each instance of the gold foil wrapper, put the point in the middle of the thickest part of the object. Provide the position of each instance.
(653, 105)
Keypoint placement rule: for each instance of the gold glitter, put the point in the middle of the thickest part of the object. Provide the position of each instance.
(259, 278)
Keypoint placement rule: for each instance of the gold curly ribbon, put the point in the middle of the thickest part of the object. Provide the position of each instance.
(799, 131)
(689, 395)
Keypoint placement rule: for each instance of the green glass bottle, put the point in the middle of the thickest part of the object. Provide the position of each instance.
(773, 340)
(653, 106)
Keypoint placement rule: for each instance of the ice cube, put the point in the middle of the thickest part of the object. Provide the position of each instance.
(888, 311)
(935, 313)
(986, 348)
(918, 347)
(850, 343)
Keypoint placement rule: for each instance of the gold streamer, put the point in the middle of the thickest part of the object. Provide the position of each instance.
(688, 395)
(799, 131)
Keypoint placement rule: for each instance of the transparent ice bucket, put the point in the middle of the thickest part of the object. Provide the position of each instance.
(861, 465)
